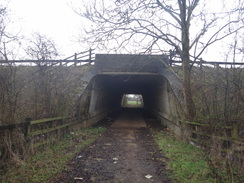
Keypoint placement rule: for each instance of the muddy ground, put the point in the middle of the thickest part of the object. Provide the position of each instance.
(126, 153)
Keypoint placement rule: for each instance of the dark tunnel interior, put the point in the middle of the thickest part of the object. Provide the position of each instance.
(145, 85)
(108, 90)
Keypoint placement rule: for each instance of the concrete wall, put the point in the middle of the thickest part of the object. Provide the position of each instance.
(164, 104)
(98, 100)
(102, 96)
(129, 63)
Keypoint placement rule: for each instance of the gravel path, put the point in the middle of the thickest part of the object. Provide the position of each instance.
(126, 153)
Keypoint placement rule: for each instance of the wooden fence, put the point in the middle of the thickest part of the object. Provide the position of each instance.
(43, 131)
(86, 56)
(226, 139)
(78, 58)
(32, 134)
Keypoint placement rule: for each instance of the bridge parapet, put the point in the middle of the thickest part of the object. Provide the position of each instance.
(130, 63)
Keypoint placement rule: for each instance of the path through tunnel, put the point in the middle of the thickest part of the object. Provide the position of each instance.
(105, 93)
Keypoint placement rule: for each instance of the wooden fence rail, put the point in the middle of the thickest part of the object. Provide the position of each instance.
(85, 56)
(35, 133)
(43, 131)
(224, 138)
(82, 57)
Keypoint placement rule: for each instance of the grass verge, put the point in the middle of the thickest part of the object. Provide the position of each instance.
(45, 164)
(186, 163)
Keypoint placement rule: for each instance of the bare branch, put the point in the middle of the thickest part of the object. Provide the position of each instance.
(214, 38)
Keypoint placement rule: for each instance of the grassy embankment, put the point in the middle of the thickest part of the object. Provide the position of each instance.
(45, 164)
(186, 163)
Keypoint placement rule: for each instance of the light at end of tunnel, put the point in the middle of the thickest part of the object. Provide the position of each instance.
(132, 101)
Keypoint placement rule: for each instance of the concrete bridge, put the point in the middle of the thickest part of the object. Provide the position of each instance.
(114, 75)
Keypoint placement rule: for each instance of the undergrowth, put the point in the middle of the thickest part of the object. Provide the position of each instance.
(186, 163)
(52, 160)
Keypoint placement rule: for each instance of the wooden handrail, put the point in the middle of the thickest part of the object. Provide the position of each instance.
(206, 124)
(198, 132)
(47, 120)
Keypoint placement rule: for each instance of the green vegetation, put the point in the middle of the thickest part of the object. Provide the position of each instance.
(134, 103)
(45, 164)
(190, 164)
(185, 161)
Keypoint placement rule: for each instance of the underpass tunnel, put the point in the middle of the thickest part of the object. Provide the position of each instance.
(106, 92)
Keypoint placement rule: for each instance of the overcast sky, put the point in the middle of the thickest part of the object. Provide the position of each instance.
(57, 20)
(54, 18)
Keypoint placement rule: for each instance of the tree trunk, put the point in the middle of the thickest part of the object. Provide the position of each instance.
(185, 24)
(190, 106)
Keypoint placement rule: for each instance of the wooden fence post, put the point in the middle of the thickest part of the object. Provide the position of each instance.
(201, 68)
(234, 131)
(171, 54)
(90, 55)
(26, 127)
(75, 62)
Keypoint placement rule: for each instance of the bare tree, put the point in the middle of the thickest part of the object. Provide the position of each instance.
(3, 14)
(188, 27)
(42, 48)
(9, 87)
(9, 38)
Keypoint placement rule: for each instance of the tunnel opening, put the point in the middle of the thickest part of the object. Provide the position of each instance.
(132, 101)
(146, 93)
(114, 76)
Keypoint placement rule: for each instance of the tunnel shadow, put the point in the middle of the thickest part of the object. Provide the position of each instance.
(132, 115)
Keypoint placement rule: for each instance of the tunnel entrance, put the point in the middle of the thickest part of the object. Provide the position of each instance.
(132, 101)
(110, 92)
(116, 79)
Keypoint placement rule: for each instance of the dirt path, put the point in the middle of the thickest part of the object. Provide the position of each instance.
(126, 153)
